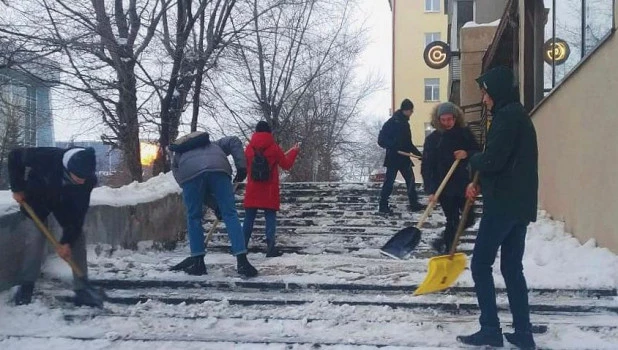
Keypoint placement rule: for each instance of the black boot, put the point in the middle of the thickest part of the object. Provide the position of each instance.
(243, 266)
(385, 209)
(486, 336)
(271, 250)
(416, 207)
(522, 340)
(23, 296)
(84, 297)
(193, 265)
(439, 245)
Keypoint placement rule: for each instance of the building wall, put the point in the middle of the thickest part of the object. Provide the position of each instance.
(576, 127)
(474, 43)
(488, 10)
(410, 23)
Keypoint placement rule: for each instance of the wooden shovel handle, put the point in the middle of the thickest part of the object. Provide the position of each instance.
(433, 203)
(464, 218)
(50, 237)
(409, 155)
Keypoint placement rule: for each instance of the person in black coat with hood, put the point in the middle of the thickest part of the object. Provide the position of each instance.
(396, 137)
(57, 181)
(450, 140)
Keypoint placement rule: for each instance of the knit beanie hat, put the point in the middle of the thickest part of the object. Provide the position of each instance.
(262, 126)
(446, 108)
(80, 161)
(407, 105)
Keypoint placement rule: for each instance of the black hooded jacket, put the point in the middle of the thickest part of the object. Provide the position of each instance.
(509, 165)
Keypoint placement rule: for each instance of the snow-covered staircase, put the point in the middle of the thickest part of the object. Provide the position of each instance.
(331, 288)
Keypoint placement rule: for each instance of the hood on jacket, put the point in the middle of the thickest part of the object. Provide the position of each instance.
(261, 140)
(457, 112)
(499, 84)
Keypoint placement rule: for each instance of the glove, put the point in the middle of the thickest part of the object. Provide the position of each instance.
(241, 175)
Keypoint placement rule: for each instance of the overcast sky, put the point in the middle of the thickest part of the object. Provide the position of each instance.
(376, 60)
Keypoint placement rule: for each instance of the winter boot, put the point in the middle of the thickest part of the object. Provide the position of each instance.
(86, 298)
(416, 207)
(439, 245)
(486, 336)
(23, 296)
(271, 250)
(385, 209)
(522, 340)
(243, 266)
(193, 265)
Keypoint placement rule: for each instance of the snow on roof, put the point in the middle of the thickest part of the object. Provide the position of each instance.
(474, 24)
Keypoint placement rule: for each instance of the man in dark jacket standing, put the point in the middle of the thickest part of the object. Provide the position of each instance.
(509, 181)
(202, 170)
(58, 181)
(396, 137)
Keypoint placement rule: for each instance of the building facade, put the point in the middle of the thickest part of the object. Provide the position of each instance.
(417, 23)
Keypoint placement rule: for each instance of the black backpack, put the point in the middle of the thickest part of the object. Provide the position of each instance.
(260, 170)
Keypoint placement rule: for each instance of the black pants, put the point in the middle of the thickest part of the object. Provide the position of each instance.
(452, 207)
(389, 181)
(499, 231)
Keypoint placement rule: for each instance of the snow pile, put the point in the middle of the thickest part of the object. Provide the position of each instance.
(7, 204)
(473, 24)
(131, 194)
(554, 258)
(135, 193)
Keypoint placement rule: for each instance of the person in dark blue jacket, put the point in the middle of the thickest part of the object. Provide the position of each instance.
(396, 138)
(450, 140)
(57, 181)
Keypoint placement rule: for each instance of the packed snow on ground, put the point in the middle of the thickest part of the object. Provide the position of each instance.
(553, 259)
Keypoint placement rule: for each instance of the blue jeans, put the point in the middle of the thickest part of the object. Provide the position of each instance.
(271, 223)
(193, 191)
(389, 181)
(497, 231)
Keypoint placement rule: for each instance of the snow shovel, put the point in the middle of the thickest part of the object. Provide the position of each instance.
(97, 295)
(444, 270)
(405, 240)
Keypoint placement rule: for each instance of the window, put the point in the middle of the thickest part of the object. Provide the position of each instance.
(431, 37)
(581, 25)
(432, 5)
(432, 89)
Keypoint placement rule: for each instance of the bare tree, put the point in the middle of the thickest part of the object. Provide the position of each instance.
(189, 62)
(290, 45)
(101, 45)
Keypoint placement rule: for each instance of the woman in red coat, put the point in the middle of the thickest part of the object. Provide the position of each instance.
(265, 194)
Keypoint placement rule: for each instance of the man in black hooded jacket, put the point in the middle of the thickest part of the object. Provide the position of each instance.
(57, 181)
(396, 137)
(508, 170)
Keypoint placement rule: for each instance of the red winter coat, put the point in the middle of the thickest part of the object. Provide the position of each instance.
(265, 194)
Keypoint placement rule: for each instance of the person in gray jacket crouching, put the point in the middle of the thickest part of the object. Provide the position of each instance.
(201, 168)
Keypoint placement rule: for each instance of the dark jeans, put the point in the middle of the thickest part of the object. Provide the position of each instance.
(497, 231)
(193, 193)
(452, 207)
(271, 223)
(389, 181)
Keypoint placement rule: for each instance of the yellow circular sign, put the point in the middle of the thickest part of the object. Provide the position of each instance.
(556, 51)
(437, 55)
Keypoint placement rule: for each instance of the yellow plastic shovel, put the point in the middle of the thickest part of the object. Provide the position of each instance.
(444, 270)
